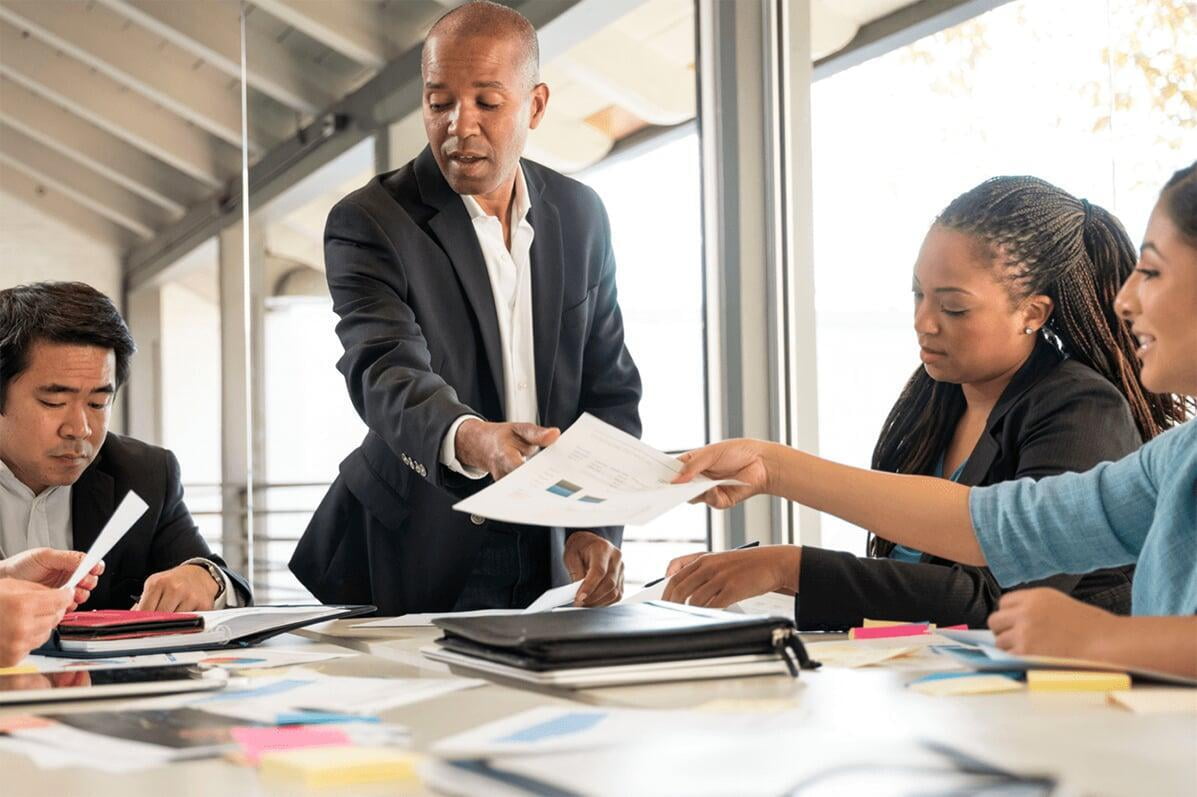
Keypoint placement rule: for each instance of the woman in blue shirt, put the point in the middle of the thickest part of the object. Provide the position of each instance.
(1141, 509)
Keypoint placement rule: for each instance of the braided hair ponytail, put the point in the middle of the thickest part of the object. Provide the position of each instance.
(1044, 241)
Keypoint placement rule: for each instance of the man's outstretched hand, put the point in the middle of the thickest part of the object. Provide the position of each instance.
(500, 448)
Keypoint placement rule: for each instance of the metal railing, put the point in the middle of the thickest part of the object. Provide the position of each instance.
(278, 528)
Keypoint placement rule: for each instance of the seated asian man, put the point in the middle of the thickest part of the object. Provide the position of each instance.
(64, 352)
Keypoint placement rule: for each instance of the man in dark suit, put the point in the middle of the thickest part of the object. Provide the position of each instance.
(64, 352)
(478, 315)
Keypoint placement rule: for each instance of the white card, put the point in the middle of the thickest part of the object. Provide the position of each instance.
(128, 513)
(551, 599)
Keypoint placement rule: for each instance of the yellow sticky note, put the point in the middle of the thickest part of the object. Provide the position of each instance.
(340, 766)
(867, 623)
(1076, 681)
(21, 670)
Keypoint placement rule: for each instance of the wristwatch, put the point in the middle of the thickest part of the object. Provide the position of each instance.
(213, 571)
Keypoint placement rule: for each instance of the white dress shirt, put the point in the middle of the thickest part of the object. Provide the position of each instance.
(510, 275)
(44, 521)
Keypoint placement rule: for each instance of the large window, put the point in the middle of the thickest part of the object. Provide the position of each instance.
(658, 250)
(1099, 98)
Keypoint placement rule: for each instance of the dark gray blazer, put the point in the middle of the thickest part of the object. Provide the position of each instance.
(422, 348)
(1056, 415)
(164, 537)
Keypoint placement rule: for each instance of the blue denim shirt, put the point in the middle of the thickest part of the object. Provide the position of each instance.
(1141, 509)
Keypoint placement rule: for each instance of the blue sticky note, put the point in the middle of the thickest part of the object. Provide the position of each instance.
(319, 718)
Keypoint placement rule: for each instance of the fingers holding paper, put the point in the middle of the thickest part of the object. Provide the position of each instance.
(598, 564)
(717, 580)
(744, 460)
(28, 613)
(51, 567)
(499, 448)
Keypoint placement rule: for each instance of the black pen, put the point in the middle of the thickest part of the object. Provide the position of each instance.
(752, 544)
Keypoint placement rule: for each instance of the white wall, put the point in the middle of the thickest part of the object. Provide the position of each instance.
(35, 247)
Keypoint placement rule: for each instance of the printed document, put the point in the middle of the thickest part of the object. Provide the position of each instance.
(594, 475)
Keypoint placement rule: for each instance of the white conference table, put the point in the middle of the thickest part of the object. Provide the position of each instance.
(1092, 747)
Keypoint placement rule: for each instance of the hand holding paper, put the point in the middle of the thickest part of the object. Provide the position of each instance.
(128, 513)
(594, 475)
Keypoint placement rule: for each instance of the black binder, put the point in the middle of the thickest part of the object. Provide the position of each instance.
(624, 634)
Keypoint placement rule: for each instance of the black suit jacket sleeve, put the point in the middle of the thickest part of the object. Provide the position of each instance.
(177, 539)
(387, 365)
(611, 384)
(1067, 429)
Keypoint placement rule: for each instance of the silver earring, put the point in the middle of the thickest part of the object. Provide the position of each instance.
(1028, 331)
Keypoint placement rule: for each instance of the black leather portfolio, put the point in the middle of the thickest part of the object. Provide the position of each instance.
(625, 634)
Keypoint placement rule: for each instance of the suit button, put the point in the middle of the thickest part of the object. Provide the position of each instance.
(477, 520)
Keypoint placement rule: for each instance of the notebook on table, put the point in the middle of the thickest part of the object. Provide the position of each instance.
(638, 643)
(128, 633)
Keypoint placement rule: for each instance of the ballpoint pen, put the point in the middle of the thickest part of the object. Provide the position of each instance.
(752, 544)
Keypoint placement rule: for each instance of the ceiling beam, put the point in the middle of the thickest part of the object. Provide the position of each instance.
(900, 28)
(96, 149)
(665, 98)
(566, 145)
(63, 209)
(359, 30)
(82, 185)
(211, 31)
(68, 83)
(133, 58)
(394, 94)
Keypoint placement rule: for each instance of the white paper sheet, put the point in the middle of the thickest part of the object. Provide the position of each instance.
(647, 594)
(594, 475)
(234, 659)
(266, 698)
(554, 598)
(550, 599)
(130, 509)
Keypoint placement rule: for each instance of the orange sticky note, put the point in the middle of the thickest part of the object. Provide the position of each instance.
(1076, 681)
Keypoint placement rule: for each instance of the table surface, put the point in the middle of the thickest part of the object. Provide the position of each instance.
(1094, 748)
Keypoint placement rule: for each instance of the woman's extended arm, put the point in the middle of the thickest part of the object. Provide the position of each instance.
(922, 512)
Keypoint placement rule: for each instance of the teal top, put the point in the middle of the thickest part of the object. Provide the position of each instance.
(1140, 509)
(901, 552)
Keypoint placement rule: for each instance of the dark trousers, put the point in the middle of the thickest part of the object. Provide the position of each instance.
(511, 572)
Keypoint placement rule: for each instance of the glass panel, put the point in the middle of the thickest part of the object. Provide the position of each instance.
(1023, 89)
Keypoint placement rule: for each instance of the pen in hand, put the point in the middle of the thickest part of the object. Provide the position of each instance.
(752, 544)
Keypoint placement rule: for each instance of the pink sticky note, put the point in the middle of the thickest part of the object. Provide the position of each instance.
(961, 627)
(255, 742)
(887, 631)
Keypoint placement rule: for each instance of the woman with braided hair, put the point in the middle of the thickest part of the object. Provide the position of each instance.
(1141, 509)
(1023, 358)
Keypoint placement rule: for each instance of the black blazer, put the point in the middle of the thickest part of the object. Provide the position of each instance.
(164, 537)
(422, 347)
(1056, 415)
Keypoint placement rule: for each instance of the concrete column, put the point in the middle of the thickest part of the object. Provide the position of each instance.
(242, 391)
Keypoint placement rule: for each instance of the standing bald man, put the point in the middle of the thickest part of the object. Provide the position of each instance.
(476, 292)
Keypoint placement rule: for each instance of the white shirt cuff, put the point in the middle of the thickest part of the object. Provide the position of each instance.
(449, 451)
(229, 597)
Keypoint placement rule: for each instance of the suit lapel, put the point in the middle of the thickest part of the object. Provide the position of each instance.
(92, 503)
(547, 262)
(1043, 358)
(455, 232)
